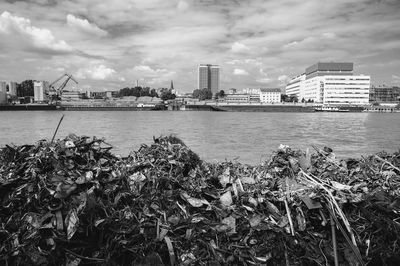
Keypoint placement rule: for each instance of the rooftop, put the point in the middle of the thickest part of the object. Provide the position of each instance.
(270, 90)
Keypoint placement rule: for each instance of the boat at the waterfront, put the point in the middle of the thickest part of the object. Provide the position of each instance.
(263, 108)
(330, 109)
(157, 107)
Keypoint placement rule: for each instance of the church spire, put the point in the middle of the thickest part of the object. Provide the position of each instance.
(172, 85)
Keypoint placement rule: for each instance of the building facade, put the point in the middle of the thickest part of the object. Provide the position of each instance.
(242, 98)
(40, 91)
(209, 77)
(3, 92)
(295, 86)
(72, 96)
(384, 94)
(12, 88)
(270, 95)
(332, 84)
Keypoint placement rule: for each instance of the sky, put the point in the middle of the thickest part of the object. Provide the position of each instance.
(109, 44)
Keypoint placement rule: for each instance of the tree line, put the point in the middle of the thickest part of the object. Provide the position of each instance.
(26, 88)
(206, 94)
(165, 94)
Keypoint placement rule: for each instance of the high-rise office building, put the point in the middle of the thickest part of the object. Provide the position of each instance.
(209, 77)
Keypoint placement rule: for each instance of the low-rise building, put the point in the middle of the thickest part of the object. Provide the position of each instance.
(270, 95)
(242, 98)
(72, 96)
(98, 94)
(111, 94)
(384, 94)
(232, 91)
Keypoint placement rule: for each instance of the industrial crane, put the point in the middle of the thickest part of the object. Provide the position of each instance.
(57, 92)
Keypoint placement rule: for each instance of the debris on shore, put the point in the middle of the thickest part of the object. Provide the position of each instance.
(72, 202)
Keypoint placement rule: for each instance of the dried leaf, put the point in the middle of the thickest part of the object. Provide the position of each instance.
(226, 199)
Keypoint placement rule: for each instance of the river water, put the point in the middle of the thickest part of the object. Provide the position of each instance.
(247, 137)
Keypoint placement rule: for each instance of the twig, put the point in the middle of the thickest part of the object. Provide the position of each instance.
(170, 250)
(289, 217)
(353, 247)
(287, 257)
(326, 157)
(287, 206)
(83, 257)
(59, 123)
(385, 161)
(333, 229)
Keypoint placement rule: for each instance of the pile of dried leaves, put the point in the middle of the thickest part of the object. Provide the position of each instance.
(72, 202)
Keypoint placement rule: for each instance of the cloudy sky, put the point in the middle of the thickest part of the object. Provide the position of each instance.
(109, 44)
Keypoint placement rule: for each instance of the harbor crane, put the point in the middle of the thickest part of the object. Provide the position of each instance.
(56, 92)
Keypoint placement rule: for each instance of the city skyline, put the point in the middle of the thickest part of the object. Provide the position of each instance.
(256, 43)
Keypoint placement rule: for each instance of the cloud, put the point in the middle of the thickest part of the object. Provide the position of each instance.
(283, 79)
(329, 35)
(84, 26)
(238, 47)
(168, 39)
(96, 72)
(39, 38)
(182, 5)
(263, 80)
(150, 75)
(240, 72)
(396, 79)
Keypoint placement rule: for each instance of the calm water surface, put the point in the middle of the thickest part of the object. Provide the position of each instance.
(250, 137)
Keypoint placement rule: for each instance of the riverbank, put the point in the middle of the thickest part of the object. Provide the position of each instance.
(72, 201)
(200, 106)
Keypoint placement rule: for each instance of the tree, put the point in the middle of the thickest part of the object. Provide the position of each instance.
(284, 98)
(196, 94)
(25, 88)
(202, 94)
(167, 95)
(293, 99)
(220, 94)
(153, 93)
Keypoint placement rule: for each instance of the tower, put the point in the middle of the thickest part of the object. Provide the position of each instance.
(209, 77)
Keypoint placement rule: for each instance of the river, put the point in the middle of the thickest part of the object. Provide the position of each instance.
(246, 137)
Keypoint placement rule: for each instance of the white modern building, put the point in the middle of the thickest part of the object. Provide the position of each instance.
(293, 88)
(270, 95)
(352, 90)
(331, 83)
(40, 91)
(209, 77)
